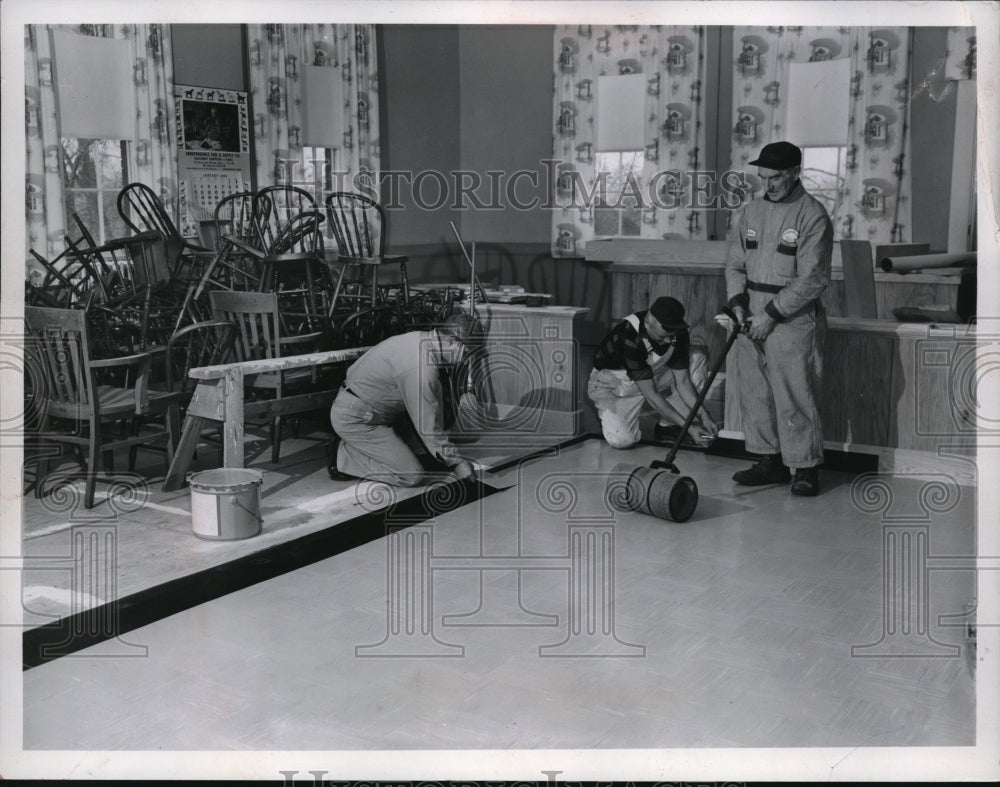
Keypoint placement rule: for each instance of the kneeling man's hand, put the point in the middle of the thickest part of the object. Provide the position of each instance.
(464, 470)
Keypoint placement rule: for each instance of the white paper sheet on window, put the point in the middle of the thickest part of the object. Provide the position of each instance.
(322, 107)
(621, 110)
(818, 103)
(94, 86)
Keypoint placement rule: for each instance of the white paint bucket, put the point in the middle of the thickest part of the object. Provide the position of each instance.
(225, 503)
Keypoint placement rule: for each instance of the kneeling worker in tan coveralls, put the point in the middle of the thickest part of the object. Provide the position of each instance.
(397, 377)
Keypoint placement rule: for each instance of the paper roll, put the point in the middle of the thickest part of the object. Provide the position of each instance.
(921, 261)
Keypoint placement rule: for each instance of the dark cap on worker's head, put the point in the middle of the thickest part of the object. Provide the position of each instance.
(669, 313)
(779, 156)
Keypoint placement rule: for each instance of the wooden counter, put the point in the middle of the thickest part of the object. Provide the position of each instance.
(902, 385)
(641, 270)
(886, 383)
(890, 384)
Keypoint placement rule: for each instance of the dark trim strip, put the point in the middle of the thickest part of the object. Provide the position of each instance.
(544, 451)
(91, 627)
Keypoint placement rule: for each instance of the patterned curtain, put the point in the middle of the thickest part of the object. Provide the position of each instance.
(277, 54)
(672, 58)
(45, 211)
(154, 155)
(875, 202)
(960, 62)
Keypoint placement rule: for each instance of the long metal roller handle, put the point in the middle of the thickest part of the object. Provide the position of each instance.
(738, 328)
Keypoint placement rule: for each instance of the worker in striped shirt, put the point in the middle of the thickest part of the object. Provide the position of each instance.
(645, 359)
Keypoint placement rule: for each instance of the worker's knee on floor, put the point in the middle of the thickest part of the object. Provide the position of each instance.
(620, 439)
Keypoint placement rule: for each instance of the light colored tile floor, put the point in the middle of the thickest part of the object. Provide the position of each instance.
(733, 629)
(150, 538)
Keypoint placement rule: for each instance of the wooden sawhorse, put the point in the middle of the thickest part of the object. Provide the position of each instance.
(219, 397)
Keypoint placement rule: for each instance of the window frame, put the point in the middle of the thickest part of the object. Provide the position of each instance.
(126, 149)
(840, 176)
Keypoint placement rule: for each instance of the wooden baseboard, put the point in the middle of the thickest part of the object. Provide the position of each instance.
(859, 458)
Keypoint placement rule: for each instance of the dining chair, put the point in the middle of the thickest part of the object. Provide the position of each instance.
(276, 207)
(236, 263)
(259, 336)
(77, 399)
(242, 217)
(295, 268)
(143, 211)
(359, 227)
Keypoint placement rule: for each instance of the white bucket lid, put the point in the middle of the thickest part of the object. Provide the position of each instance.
(226, 479)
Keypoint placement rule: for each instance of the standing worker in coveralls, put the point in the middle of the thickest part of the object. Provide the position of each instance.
(777, 269)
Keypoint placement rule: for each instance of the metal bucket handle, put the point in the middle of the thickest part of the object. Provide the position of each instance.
(236, 502)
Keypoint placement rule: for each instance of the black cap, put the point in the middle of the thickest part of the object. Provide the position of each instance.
(779, 156)
(669, 313)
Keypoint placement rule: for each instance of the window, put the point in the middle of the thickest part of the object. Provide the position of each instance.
(824, 175)
(94, 171)
(620, 143)
(316, 173)
(322, 133)
(617, 207)
(820, 92)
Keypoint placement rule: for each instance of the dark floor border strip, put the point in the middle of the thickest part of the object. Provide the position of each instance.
(91, 627)
(542, 452)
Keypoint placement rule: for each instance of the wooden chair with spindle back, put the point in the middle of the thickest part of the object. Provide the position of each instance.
(359, 226)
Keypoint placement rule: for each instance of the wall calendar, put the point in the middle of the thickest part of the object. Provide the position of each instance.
(213, 151)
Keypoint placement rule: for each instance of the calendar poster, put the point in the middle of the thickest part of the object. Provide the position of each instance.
(213, 150)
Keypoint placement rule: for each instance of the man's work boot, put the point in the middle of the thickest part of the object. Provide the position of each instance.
(769, 470)
(806, 483)
(331, 461)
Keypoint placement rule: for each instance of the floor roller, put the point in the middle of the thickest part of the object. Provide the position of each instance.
(660, 489)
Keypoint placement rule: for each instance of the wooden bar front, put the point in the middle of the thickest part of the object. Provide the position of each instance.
(886, 383)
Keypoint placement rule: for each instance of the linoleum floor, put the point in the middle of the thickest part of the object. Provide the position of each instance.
(540, 617)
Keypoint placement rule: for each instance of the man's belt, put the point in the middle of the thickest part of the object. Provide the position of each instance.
(771, 288)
